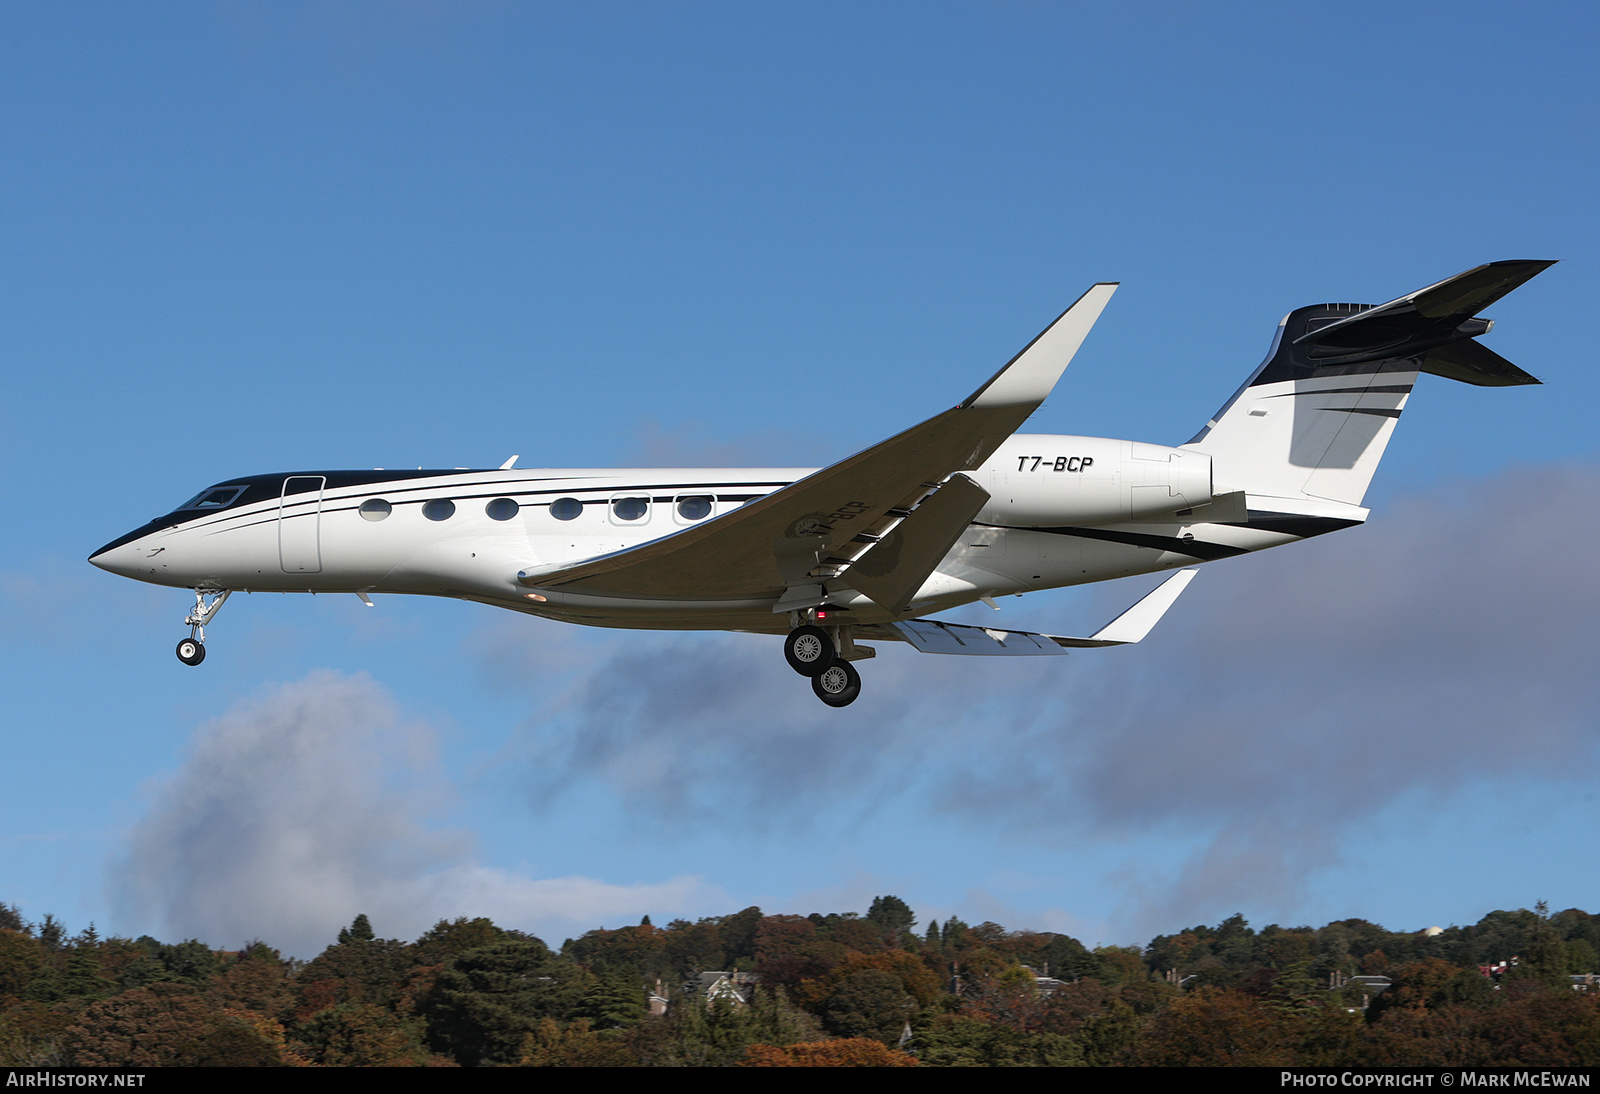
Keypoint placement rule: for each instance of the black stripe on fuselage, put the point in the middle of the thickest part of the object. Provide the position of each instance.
(1380, 389)
(1292, 524)
(1377, 412)
(1194, 548)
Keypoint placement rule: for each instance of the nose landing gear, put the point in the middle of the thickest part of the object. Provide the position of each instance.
(192, 650)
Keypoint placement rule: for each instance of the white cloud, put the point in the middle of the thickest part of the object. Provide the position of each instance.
(300, 809)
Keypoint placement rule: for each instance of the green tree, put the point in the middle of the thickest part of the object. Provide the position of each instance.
(893, 917)
(869, 1003)
(961, 1040)
(363, 1035)
(695, 1033)
(1545, 959)
(486, 1002)
(737, 937)
(360, 930)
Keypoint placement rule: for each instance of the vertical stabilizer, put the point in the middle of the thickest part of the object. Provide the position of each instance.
(1315, 418)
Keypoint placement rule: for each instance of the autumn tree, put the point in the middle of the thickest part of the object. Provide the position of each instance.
(1213, 1028)
(164, 1025)
(550, 1044)
(847, 1052)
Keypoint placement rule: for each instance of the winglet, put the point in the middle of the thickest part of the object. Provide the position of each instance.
(1030, 375)
(1133, 624)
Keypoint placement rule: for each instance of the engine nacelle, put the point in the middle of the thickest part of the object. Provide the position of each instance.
(1044, 480)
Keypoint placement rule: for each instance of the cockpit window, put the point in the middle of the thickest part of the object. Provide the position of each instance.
(216, 497)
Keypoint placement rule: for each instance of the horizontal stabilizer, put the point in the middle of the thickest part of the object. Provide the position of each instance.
(1472, 363)
(1455, 298)
(1469, 293)
(934, 636)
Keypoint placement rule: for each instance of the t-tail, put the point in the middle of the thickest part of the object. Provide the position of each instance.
(1311, 425)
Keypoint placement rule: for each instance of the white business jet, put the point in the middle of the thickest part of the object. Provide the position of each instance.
(961, 508)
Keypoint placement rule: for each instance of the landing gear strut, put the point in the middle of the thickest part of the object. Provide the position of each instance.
(192, 650)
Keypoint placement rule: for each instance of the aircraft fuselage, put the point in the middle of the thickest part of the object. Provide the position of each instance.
(1063, 511)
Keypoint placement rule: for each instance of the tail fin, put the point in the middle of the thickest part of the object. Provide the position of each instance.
(1314, 419)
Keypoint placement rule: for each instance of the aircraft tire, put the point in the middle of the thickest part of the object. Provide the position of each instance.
(809, 650)
(838, 684)
(191, 651)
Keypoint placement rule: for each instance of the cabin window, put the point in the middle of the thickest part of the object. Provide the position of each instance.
(566, 508)
(375, 509)
(501, 509)
(630, 509)
(439, 509)
(694, 507)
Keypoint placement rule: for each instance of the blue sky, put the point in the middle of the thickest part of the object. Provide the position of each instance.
(246, 237)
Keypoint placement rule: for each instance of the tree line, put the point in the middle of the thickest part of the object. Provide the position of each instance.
(834, 989)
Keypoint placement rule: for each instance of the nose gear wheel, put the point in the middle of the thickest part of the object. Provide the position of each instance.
(192, 650)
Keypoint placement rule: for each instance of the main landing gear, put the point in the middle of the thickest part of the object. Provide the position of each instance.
(838, 684)
(824, 655)
(192, 650)
(809, 650)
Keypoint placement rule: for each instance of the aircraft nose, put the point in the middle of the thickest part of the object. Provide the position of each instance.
(115, 558)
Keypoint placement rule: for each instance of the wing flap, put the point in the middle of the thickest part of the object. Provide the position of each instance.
(935, 636)
(892, 570)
